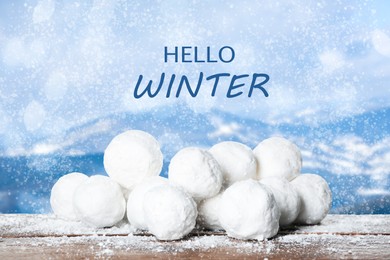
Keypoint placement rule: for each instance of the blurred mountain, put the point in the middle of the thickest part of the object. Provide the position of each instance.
(351, 154)
(179, 126)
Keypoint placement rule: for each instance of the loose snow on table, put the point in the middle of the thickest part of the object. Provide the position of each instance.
(338, 236)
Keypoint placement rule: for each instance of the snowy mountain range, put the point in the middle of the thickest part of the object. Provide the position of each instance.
(179, 126)
(352, 154)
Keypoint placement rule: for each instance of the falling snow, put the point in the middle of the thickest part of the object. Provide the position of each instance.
(68, 71)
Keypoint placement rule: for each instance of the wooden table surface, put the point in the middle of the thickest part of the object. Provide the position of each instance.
(337, 237)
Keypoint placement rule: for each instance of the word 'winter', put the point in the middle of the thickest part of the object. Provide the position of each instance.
(233, 90)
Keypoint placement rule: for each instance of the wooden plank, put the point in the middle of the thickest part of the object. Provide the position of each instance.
(282, 247)
(338, 236)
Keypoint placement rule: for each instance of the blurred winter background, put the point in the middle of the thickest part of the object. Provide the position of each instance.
(68, 71)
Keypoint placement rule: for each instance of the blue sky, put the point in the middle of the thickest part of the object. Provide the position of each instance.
(65, 63)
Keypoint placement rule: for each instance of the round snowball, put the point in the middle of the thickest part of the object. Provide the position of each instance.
(132, 156)
(170, 213)
(278, 157)
(197, 172)
(208, 211)
(237, 161)
(61, 197)
(286, 197)
(99, 202)
(135, 202)
(248, 210)
(316, 198)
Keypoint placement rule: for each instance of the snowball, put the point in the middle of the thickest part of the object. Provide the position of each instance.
(170, 213)
(99, 202)
(248, 210)
(286, 197)
(237, 161)
(197, 172)
(208, 211)
(135, 202)
(278, 157)
(61, 197)
(132, 156)
(316, 198)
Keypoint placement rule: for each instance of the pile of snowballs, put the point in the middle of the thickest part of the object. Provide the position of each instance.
(249, 194)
